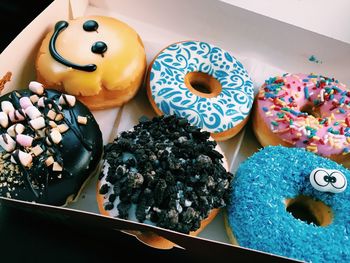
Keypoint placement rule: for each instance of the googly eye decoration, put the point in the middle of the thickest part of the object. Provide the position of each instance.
(325, 180)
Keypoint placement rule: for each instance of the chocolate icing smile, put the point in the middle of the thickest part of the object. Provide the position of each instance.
(61, 25)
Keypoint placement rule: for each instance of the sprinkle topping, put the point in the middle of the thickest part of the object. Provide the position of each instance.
(307, 110)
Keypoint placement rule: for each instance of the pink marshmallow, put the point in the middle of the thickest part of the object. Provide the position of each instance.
(25, 102)
(24, 140)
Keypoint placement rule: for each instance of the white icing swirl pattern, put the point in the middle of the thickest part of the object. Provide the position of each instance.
(215, 114)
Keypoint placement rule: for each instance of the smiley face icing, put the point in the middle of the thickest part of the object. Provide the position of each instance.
(99, 59)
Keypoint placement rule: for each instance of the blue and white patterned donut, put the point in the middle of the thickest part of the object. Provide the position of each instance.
(169, 94)
(260, 215)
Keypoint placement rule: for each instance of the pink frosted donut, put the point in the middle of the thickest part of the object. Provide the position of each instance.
(305, 110)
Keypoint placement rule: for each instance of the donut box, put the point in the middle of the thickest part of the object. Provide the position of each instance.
(266, 47)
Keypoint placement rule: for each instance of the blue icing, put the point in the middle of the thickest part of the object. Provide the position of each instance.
(173, 97)
(257, 212)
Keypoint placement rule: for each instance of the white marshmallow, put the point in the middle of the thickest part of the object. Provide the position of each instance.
(36, 87)
(25, 158)
(4, 120)
(25, 102)
(32, 112)
(7, 143)
(7, 107)
(67, 99)
(16, 116)
(56, 137)
(15, 129)
(37, 123)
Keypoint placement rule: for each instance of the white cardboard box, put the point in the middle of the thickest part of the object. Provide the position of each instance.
(265, 46)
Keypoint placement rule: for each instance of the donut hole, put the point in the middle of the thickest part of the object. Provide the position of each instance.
(309, 210)
(203, 84)
(311, 110)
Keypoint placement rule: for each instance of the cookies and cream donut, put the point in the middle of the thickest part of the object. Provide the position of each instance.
(99, 59)
(305, 110)
(203, 83)
(50, 145)
(164, 172)
(292, 203)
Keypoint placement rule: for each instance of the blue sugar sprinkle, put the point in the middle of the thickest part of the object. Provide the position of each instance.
(265, 109)
(342, 110)
(257, 211)
(306, 92)
(342, 99)
(312, 58)
(270, 95)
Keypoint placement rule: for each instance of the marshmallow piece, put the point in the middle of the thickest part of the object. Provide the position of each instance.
(32, 112)
(25, 102)
(41, 102)
(15, 129)
(24, 140)
(4, 120)
(49, 161)
(52, 124)
(7, 107)
(7, 143)
(82, 120)
(67, 100)
(37, 123)
(55, 136)
(63, 127)
(17, 115)
(51, 114)
(40, 133)
(37, 150)
(59, 117)
(25, 158)
(36, 87)
(34, 98)
(56, 167)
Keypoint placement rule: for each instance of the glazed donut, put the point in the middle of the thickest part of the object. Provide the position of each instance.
(275, 208)
(301, 110)
(99, 59)
(203, 83)
(50, 145)
(164, 172)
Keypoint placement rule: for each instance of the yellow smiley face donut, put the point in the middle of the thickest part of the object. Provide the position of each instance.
(99, 59)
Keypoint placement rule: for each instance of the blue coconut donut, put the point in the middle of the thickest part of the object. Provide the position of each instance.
(273, 193)
(203, 83)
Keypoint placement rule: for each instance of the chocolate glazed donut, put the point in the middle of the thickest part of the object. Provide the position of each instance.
(51, 145)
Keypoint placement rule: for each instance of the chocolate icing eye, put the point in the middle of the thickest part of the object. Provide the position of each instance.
(99, 47)
(90, 25)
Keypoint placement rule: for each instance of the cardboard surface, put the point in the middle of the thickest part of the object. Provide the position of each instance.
(266, 47)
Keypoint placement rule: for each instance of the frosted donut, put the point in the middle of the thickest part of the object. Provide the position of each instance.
(99, 59)
(305, 110)
(164, 172)
(203, 83)
(50, 144)
(275, 208)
